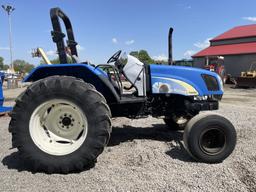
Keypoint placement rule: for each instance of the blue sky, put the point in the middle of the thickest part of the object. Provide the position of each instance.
(104, 26)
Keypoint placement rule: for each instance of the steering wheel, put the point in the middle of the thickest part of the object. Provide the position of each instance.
(115, 57)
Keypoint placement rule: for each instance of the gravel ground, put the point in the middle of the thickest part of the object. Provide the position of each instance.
(143, 156)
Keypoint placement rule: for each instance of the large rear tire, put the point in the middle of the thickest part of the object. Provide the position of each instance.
(60, 124)
(209, 138)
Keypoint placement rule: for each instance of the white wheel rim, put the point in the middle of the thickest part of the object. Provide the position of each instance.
(58, 127)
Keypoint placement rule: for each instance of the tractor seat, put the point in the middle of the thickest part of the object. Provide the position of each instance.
(115, 85)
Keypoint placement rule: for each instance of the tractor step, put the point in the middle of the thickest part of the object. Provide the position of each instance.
(129, 98)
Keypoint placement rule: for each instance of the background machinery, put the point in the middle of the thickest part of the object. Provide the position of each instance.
(215, 64)
(39, 52)
(3, 109)
(248, 78)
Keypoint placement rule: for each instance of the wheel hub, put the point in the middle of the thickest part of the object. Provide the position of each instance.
(56, 123)
(66, 121)
(212, 141)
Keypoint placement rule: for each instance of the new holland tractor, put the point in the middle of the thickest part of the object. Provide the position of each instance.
(62, 122)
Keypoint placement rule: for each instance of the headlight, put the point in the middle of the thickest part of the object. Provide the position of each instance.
(211, 82)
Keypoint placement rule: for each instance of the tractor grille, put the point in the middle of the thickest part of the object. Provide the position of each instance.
(211, 82)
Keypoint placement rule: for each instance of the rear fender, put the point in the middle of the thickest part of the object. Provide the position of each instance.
(89, 74)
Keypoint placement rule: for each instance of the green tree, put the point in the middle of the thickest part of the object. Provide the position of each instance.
(1, 63)
(55, 61)
(135, 54)
(22, 66)
(160, 62)
(28, 67)
(143, 56)
(5, 67)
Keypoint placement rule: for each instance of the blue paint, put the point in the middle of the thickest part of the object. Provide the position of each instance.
(1, 90)
(2, 108)
(87, 73)
(190, 75)
(5, 109)
(63, 68)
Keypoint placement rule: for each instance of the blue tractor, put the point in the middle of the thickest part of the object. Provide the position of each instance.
(62, 122)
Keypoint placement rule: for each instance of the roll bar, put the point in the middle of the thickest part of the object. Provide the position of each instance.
(58, 36)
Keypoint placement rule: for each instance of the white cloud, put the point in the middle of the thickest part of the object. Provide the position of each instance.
(204, 44)
(199, 45)
(51, 53)
(189, 53)
(161, 57)
(54, 52)
(114, 40)
(130, 42)
(4, 48)
(79, 47)
(252, 19)
(185, 6)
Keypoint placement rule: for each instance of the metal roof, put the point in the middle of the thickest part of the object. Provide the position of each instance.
(238, 32)
(230, 49)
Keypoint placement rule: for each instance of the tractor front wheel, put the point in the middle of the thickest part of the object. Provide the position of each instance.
(60, 124)
(209, 138)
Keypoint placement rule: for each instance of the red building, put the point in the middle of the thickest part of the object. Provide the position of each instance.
(237, 46)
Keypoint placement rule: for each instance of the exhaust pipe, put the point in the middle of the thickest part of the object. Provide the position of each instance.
(170, 60)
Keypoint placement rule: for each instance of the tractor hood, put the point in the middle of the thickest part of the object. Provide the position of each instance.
(186, 81)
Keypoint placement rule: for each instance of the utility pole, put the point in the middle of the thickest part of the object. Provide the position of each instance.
(9, 9)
